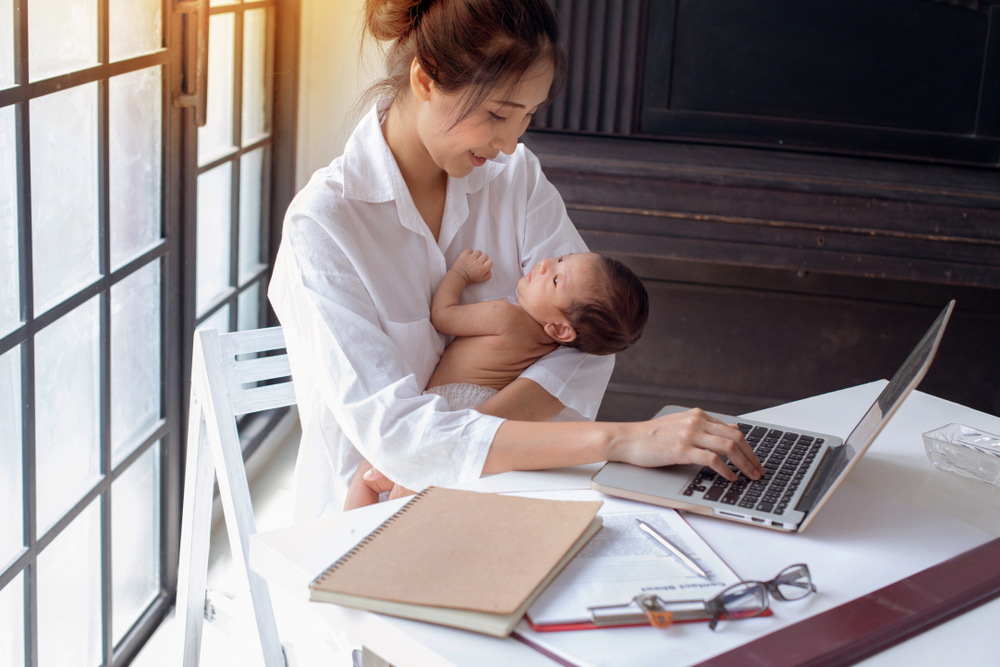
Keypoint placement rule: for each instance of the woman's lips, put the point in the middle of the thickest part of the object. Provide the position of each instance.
(476, 160)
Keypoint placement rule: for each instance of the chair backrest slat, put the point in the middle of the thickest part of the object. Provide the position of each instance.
(264, 398)
(265, 368)
(239, 372)
(258, 340)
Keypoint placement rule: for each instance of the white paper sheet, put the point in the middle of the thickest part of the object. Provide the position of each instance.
(621, 562)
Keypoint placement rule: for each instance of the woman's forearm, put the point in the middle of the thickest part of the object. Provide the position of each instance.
(520, 445)
(691, 437)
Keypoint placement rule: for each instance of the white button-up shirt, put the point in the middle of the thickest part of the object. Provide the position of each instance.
(352, 288)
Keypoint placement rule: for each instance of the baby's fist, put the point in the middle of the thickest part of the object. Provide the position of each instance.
(474, 265)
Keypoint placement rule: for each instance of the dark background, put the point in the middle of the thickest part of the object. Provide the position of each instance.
(801, 186)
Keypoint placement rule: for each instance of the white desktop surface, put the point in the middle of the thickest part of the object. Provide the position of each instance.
(917, 506)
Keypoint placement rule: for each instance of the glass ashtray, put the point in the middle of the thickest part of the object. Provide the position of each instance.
(965, 451)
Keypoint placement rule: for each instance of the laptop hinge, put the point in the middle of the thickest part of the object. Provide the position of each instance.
(830, 465)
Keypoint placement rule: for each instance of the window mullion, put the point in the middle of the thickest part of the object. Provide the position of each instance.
(234, 197)
(104, 328)
(22, 157)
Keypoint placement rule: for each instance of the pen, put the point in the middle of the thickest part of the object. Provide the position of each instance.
(666, 544)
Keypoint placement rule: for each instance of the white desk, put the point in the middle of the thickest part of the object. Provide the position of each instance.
(894, 475)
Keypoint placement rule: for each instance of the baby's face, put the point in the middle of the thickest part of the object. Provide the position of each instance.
(555, 284)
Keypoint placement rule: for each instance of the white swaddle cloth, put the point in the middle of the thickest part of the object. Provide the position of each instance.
(463, 395)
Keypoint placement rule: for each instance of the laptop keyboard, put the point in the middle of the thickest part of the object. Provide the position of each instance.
(786, 457)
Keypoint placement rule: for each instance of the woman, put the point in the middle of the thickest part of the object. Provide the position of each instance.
(433, 169)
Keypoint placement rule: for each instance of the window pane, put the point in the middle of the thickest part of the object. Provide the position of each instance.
(217, 136)
(66, 412)
(10, 301)
(134, 162)
(214, 3)
(63, 193)
(218, 321)
(135, 359)
(254, 52)
(69, 594)
(11, 526)
(6, 48)
(62, 36)
(214, 225)
(12, 627)
(135, 541)
(134, 27)
(251, 196)
(248, 304)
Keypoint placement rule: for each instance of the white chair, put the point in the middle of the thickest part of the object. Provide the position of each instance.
(223, 385)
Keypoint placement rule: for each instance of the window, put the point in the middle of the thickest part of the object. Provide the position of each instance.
(123, 226)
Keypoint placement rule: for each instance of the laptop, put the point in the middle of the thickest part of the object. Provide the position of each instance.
(803, 468)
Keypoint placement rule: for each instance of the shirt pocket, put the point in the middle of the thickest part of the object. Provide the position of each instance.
(420, 344)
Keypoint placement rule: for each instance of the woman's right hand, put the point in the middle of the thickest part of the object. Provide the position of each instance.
(691, 437)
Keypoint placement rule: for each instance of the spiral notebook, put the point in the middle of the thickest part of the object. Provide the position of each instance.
(461, 558)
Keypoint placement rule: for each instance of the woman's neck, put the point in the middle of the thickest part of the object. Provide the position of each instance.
(427, 182)
(415, 163)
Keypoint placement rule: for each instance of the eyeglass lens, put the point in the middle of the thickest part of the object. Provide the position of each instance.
(743, 601)
(793, 583)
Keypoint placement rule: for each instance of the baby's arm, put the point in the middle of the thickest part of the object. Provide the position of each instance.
(475, 319)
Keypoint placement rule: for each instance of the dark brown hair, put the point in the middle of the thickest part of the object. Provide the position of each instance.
(470, 47)
(614, 319)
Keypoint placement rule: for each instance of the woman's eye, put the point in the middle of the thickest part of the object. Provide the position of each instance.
(497, 117)
(555, 280)
(560, 258)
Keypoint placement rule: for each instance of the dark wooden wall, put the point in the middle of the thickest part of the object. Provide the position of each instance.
(776, 274)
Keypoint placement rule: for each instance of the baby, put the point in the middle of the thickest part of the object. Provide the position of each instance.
(584, 300)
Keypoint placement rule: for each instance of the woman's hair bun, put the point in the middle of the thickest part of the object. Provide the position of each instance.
(392, 20)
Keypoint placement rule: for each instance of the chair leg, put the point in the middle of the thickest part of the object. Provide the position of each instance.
(240, 525)
(196, 529)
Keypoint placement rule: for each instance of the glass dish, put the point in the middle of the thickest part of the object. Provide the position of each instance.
(966, 451)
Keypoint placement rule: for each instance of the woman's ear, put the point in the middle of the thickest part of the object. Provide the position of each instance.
(420, 82)
(561, 332)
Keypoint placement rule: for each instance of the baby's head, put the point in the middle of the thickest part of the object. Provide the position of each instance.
(586, 301)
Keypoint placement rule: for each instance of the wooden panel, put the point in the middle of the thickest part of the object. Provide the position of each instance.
(603, 40)
(908, 64)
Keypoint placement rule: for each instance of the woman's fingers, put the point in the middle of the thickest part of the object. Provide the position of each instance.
(731, 444)
(399, 492)
(690, 437)
(377, 481)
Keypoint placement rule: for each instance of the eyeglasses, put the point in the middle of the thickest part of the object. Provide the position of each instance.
(743, 600)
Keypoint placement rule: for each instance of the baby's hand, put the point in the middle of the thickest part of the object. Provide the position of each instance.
(473, 265)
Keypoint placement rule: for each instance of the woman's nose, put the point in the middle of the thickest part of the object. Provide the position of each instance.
(506, 141)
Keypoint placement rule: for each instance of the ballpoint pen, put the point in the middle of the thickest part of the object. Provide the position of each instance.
(666, 544)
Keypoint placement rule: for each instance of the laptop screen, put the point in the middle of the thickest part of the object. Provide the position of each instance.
(904, 381)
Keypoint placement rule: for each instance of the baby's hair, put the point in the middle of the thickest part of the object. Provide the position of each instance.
(470, 47)
(614, 319)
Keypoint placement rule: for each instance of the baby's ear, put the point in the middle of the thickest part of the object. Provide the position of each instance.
(561, 332)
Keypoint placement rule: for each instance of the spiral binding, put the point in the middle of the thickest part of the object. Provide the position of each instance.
(372, 535)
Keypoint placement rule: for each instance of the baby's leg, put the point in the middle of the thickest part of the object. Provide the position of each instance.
(361, 492)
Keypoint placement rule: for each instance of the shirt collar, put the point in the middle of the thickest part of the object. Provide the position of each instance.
(372, 175)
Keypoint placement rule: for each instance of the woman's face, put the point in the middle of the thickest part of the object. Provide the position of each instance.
(493, 128)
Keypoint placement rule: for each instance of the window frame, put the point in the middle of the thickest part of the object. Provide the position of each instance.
(177, 292)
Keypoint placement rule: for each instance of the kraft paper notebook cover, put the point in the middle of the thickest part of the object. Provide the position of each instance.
(461, 558)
